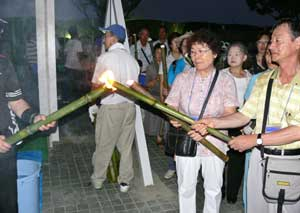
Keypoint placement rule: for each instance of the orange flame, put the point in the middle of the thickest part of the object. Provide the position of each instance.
(108, 79)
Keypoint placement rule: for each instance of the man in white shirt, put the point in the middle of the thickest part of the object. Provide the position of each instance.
(73, 68)
(143, 49)
(162, 37)
(116, 116)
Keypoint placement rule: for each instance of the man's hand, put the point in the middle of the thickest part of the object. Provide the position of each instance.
(44, 127)
(4, 147)
(201, 125)
(93, 112)
(243, 142)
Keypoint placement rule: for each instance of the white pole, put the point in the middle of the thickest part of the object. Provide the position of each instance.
(45, 31)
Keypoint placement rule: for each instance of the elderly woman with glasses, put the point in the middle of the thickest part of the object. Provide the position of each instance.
(188, 94)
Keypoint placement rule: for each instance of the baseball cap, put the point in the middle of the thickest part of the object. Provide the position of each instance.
(117, 30)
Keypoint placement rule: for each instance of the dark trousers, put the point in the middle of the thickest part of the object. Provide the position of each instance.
(235, 170)
(8, 182)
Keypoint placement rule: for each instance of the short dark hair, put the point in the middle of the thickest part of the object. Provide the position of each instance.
(293, 25)
(157, 46)
(164, 27)
(208, 37)
(262, 33)
(172, 36)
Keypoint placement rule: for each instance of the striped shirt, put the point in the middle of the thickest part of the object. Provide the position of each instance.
(284, 108)
(9, 91)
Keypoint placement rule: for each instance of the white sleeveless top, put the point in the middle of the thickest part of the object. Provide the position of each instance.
(241, 85)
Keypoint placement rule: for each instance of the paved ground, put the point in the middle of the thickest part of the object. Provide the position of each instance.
(66, 186)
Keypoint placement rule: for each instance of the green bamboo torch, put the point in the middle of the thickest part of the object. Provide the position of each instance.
(33, 128)
(164, 65)
(164, 108)
(135, 86)
(203, 141)
(188, 59)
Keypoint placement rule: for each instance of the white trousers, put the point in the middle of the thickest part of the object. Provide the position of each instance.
(187, 173)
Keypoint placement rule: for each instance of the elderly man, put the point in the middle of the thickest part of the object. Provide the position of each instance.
(277, 133)
(116, 115)
(143, 49)
(12, 104)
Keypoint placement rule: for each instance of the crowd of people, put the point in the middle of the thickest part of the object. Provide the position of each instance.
(253, 99)
(236, 105)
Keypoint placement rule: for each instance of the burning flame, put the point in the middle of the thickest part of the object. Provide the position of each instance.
(107, 78)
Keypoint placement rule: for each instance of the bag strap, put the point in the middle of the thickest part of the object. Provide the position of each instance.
(208, 94)
(147, 59)
(266, 112)
(281, 196)
(267, 105)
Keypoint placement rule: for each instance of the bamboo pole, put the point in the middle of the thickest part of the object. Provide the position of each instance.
(184, 125)
(166, 109)
(33, 128)
(164, 66)
(188, 59)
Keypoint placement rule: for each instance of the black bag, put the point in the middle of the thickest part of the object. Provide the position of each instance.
(186, 146)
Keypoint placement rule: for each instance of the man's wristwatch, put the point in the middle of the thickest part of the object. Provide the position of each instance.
(259, 140)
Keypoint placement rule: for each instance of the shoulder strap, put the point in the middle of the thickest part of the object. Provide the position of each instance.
(266, 112)
(147, 59)
(208, 94)
(267, 105)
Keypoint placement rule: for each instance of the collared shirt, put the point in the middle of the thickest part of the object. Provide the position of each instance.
(189, 92)
(284, 108)
(141, 56)
(122, 64)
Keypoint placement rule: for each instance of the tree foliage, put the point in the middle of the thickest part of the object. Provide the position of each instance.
(276, 8)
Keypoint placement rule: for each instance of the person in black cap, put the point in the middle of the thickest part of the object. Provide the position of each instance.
(115, 125)
(12, 104)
